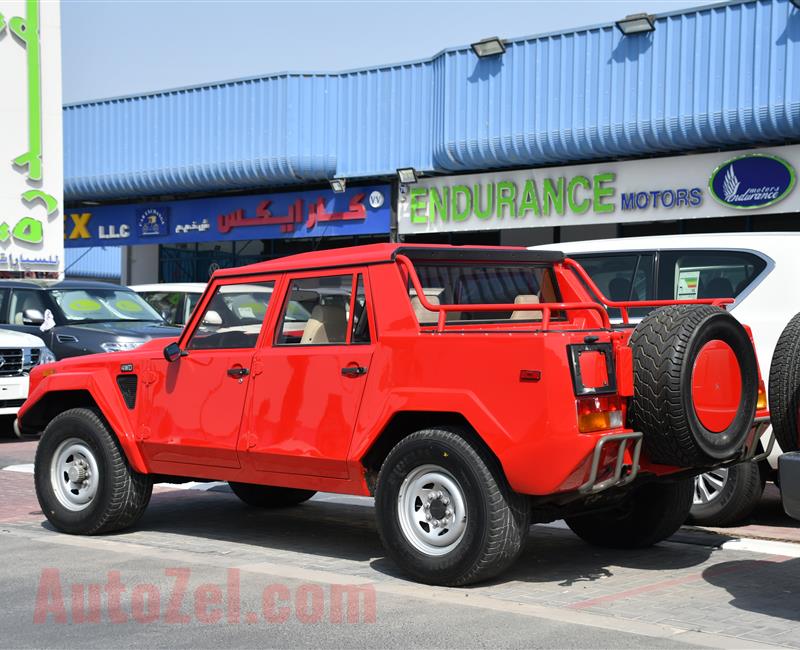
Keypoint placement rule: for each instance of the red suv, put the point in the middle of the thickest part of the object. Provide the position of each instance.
(471, 390)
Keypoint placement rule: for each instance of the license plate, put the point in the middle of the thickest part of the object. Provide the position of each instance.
(13, 387)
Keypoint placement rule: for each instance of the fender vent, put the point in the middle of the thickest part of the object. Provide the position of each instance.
(127, 386)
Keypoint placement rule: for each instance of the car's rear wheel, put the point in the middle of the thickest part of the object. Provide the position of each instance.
(83, 481)
(650, 514)
(265, 496)
(444, 511)
(726, 496)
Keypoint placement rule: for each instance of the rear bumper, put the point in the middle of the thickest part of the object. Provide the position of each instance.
(623, 472)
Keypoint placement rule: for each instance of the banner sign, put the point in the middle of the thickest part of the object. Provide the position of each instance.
(31, 168)
(685, 187)
(318, 213)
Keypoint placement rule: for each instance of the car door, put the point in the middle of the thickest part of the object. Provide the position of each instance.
(195, 404)
(309, 379)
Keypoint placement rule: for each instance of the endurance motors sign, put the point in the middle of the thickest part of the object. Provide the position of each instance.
(685, 187)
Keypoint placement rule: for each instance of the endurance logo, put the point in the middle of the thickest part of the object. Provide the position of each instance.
(752, 181)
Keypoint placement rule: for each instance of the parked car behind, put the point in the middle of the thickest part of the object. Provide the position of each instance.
(19, 354)
(86, 317)
(758, 270)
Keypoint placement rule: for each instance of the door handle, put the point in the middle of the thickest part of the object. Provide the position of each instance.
(238, 371)
(354, 371)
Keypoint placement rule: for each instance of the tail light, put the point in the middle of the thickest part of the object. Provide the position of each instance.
(761, 403)
(600, 412)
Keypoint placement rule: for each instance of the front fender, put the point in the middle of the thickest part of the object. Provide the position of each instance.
(104, 393)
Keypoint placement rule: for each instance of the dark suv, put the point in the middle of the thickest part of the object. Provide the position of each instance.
(87, 317)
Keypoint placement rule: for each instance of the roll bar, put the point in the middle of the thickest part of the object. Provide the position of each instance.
(547, 308)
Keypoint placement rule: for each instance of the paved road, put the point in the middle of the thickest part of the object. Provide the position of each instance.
(176, 577)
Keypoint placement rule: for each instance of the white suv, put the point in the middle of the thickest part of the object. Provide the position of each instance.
(761, 271)
(19, 353)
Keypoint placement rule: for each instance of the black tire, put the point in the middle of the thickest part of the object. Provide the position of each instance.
(665, 346)
(496, 521)
(121, 494)
(652, 513)
(784, 386)
(265, 496)
(739, 495)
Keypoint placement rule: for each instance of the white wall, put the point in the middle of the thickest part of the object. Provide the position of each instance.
(140, 264)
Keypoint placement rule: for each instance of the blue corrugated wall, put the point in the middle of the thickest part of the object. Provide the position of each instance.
(717, 76)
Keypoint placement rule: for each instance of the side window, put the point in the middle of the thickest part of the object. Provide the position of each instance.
(3, 305)
(166, 303)
(324, 311)
(189, 305)
(623, 277)
(233, 317)
(690, 275)
(23, 300)
(359, 332)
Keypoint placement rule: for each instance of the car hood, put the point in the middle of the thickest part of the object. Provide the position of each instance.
(134, 330)
(12, 339)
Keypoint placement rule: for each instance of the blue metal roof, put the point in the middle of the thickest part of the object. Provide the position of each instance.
(715, 76)
(93, 262)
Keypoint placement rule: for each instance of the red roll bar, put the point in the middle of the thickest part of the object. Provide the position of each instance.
(545, 308)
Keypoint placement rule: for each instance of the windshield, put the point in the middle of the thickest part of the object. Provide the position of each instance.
(93, 305)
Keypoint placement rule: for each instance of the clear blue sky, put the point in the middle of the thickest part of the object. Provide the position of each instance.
(119, 47)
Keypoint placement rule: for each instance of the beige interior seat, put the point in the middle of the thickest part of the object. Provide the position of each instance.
(328, 324)
(526, 299)
(425, 316)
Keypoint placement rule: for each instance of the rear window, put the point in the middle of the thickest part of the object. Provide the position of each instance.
(492, 284)
(690, 275)
(682, 275)
(622, 277)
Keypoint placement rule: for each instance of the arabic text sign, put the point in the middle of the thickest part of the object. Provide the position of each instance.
(642, 190)
(31, 171)
(317, 213)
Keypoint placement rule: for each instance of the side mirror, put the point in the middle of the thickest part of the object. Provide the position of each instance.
(32, 317)
(212, 318)
(173, 352)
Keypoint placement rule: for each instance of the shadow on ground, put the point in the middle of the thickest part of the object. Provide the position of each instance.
(333, 530)
(770, 587)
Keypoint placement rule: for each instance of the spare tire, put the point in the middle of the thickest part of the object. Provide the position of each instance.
(784, 386)
(695, 379)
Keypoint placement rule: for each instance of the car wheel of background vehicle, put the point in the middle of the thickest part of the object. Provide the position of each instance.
(784, 386)
(83, 481)
(444, 511)
(727, 495)
(652, 513)
(265, 496)
(687, 421)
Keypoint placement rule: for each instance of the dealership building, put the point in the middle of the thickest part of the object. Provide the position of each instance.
(676, 123)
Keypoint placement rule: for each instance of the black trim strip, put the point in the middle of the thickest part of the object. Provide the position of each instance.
(476, 253)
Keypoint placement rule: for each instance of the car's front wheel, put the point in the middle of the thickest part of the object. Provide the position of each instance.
(84, 483)
(444, 511)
